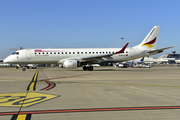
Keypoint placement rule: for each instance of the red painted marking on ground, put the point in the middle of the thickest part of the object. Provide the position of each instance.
(91, 110)
(50, 86)
(68, 76)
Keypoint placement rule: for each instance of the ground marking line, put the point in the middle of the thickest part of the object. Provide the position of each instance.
(50, 85)
(155, 92)
(31, 87)
(92, 110)
(121, 84)
(32, 84)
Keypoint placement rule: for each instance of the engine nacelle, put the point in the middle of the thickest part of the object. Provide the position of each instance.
(70, 64)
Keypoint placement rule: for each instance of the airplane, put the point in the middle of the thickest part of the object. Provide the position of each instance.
(139, 62)
(86, 57)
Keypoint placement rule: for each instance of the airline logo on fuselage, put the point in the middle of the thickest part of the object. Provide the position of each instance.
(149, 44)
(47, 51)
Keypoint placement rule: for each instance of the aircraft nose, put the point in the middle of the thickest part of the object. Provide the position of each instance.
(6, 60)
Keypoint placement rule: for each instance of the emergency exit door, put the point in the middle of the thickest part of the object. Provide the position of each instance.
(28, 54)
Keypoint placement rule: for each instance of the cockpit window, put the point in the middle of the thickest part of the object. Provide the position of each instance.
(15, 53)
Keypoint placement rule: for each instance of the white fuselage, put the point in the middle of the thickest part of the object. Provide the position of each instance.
(54, 56)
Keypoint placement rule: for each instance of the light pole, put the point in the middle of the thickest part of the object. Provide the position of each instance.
(122, 41)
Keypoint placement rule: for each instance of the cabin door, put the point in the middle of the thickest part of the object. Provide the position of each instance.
(28, 54)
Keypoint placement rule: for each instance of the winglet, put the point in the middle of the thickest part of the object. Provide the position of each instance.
(122, 50)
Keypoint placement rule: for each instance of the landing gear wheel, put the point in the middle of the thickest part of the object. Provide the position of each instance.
(85, 68)
(23, 69)
(90, 68)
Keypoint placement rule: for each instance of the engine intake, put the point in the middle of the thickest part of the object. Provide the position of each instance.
(70, 64)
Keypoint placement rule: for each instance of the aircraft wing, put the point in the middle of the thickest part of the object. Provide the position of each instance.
(95, 57)
(152, 52)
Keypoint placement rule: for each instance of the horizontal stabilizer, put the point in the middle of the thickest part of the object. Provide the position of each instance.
(152, 52)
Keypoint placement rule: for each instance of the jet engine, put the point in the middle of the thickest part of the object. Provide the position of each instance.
(70, 64)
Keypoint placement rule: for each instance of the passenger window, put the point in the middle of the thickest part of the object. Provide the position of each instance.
(73, 52)
(69, 52)
(106, 52)
(43, 53)
(103, 52)
(62, 53)
(51, 53)
(54, 52)
(93, 52)
(39, 53)
(58, 52)
(100, 52)
(35, 53)
(77, 52)
(47, 53)
(126, 51)
(86, 52)
(96, 52)
(66, 52)
(89, 52)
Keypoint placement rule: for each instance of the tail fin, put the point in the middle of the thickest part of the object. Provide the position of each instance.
(142, 59)
(150, 41)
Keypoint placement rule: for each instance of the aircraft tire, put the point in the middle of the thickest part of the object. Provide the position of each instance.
(24, 69)
(85, 68)
(90, 68)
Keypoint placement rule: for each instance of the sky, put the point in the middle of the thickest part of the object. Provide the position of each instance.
(87, 23)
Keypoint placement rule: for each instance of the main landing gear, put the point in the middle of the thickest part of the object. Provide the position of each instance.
(90, 68)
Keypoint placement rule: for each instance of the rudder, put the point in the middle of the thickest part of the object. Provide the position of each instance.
(150, 41)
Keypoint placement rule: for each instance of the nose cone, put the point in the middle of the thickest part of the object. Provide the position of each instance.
(6, 60)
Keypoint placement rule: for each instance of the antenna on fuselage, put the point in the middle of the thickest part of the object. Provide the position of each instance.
(20, 48)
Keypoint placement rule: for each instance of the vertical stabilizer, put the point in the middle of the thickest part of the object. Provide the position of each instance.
(150, 41)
